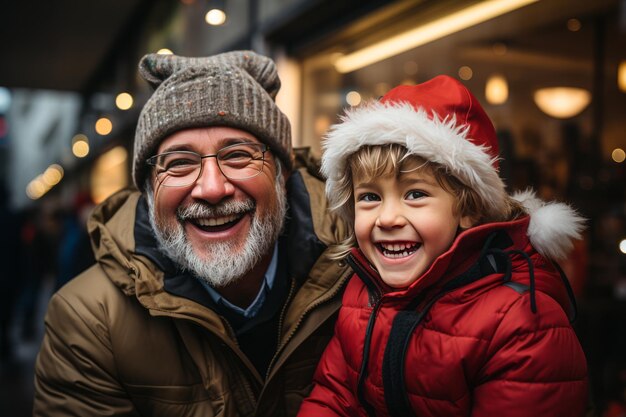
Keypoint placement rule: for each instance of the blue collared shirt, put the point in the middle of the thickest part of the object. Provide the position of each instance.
(253, 309)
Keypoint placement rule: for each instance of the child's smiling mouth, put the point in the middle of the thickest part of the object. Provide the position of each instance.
(395, 250)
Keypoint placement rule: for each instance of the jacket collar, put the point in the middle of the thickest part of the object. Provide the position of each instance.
(123, 251)
(464, 265)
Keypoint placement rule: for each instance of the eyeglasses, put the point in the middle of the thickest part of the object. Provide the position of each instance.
(182, 168)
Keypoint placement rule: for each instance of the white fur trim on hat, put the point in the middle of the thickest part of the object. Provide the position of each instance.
(438, 140)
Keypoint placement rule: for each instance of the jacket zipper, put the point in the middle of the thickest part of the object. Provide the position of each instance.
(319, 302)
(280, 325)
(363, 371)
(375, 299)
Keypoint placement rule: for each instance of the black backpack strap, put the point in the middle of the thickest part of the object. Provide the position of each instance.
(394, 384)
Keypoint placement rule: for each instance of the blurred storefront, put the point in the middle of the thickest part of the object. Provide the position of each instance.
(552, 76)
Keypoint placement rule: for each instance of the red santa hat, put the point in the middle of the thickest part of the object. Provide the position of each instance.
(439, 120)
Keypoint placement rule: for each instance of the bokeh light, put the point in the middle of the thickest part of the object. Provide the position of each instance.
(80, 148)
(497, 89)
(124, 101)
(574, 25)
(465, 73)
(215, 17)
(618, 155)
(104, 126)
(353, 98)
(53, 175)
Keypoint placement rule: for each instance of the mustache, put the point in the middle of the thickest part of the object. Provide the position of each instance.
(201, 209)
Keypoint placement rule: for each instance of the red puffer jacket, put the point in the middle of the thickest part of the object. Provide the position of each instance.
(484, 332)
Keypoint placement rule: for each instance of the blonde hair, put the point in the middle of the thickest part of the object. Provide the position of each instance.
(372, 161)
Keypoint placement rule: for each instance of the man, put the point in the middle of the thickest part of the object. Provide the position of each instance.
(212, 294)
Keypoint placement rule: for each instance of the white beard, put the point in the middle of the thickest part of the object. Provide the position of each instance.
(222, 263)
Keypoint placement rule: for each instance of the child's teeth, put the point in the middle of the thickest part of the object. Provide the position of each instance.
(398, 250)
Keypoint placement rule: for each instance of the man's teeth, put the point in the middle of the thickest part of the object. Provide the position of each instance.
(398, 250)
(217, 221)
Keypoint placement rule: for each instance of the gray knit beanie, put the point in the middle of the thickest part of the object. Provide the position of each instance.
(234, 89)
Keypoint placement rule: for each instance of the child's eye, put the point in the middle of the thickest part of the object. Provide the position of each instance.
(368, 197)
(414, 195)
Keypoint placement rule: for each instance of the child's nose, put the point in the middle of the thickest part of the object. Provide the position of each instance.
(390, 216)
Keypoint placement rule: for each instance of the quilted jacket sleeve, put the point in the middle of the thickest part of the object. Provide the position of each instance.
(535, 366)
(331, 395)
(75, 371)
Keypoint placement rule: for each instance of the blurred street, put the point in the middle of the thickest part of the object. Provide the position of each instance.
(17, 368)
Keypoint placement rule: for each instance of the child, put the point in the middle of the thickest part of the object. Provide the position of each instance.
(456, 307)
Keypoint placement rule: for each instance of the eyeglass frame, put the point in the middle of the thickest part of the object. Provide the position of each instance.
(151, 161)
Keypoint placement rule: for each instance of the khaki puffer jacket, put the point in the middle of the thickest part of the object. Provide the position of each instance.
(116, 343)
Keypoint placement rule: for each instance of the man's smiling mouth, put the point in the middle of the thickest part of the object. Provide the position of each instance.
(216, 219)
(217, 224)
(398, 250)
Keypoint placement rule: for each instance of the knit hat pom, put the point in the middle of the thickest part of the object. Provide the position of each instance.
(156, 68)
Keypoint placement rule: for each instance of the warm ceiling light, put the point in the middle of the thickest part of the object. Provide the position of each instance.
(215, 17)
(621, 76)
(618, 155)
(465, 73)
(574, 25)
(428, 32)
(53, 175)
(103, 126)
(124, 101)
(562, 102)
(80, 149)
(622, 246)
(496, 90)
(36, 189)
(165, 51)
(353, 98)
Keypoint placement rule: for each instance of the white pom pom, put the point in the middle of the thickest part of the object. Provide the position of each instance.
(553, 226)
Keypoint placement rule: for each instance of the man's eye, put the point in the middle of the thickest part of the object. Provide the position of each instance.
(368, 197)
(236, 155)
(414, 195)
(179, 163)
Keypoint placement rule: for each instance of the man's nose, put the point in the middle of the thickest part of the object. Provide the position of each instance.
(212, 186)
